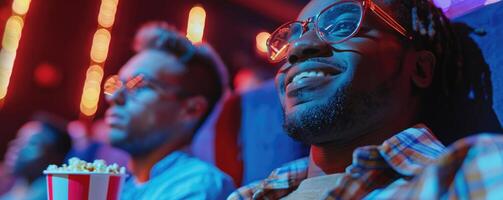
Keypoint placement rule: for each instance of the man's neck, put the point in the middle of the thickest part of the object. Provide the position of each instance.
(141, 166)
(334, 157)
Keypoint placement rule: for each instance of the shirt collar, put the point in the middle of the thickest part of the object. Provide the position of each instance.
(167, 162)
(407, 152)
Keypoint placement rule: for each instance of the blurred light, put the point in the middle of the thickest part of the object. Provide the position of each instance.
(195, 25)
(6, 64)
(46, 75)
(91, 93)
(99, 52)
(246, 79)
(261, 41)
(487, 2)
(10, 42)
(443, 4)
(101, 41)
(12, 33)
(106, 16)
(279, 52)
(20, 7)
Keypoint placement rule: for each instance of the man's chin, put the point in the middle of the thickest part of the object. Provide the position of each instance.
(312, 139)
(117, 137)
(314, 122)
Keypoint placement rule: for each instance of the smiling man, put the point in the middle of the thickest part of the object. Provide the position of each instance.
(358, 82)
(159, 99)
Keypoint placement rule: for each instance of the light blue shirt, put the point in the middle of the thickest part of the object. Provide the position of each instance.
(180, 176)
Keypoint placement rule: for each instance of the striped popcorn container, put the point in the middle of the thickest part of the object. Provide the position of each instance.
(83, 186)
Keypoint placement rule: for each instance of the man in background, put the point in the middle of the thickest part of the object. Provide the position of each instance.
(38, 144)
(159, 99)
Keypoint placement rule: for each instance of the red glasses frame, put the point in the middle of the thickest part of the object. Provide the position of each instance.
(280, 53)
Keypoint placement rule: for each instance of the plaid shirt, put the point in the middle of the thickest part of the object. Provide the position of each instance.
(410, 165)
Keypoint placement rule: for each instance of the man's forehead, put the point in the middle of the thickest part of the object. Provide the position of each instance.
(30, 128)
(313, 8)
(151, 64)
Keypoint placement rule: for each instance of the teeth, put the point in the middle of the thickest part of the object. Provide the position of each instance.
(308, 74)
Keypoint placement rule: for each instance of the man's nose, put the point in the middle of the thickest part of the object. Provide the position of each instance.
(308, 46)
(116, 98)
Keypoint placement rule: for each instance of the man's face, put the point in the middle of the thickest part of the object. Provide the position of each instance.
(336, 92)
(143, 119)
(30, 151)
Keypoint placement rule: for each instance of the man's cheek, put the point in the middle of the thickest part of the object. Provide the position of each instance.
(280, 88)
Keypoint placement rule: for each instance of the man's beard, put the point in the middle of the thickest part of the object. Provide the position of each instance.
(312, 124)
(343, 118)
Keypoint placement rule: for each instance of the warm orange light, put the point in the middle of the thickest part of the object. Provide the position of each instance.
(6, 64)
(12, 33)
(106, 16)
(279, 53)
(10, 43)
(88, 111)
(99, 52)
(195, 25)
(92, 89)
(20, 7)
(261, 41)
(101, 41)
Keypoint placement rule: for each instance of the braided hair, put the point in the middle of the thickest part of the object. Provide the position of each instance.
(433, 32)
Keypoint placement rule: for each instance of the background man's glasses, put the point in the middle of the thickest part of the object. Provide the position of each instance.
(131, 86)
(334, 24)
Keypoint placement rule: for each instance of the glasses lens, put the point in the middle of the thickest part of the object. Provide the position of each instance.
(111, 85)
(340, 21)
(133, 83)
(280, 40)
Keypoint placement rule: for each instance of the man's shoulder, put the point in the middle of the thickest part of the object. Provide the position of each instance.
(185, 168)
(470, 167)
(188, 178)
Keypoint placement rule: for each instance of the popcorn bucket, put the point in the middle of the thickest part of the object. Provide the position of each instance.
(83, 186)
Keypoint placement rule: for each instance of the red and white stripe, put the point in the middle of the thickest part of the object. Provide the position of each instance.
(83, 186)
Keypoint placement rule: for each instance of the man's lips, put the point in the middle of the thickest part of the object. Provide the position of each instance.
(309, 75)
(312, 83)
(114, 119)
(310, 69)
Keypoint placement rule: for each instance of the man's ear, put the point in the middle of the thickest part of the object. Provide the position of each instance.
(422, 74)
(194, 108)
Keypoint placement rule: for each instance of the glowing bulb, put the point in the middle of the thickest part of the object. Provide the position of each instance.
(6, 65)
(106, 17)
(91, 92)
(12, 33)
(99, 52)
(261, 41)
(88, 111)
(20, 7)
(195, 25)
(101, 41)
(10, 43)
(94, 72)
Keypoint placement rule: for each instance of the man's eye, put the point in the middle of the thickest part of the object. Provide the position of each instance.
(295, 31)
(140, 87)
(342, 28)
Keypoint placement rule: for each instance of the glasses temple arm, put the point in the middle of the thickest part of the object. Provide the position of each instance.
(388, 19)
